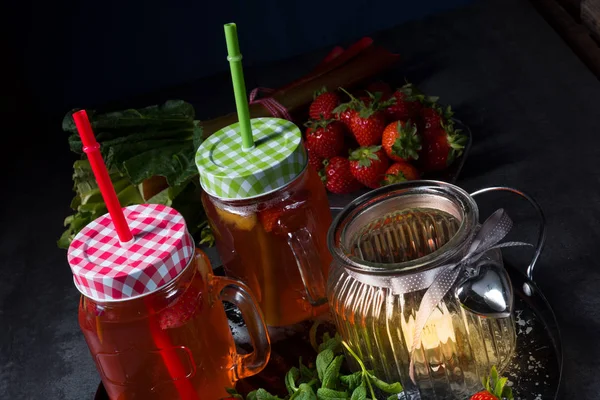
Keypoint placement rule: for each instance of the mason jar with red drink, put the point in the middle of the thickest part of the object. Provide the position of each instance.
(151, 310)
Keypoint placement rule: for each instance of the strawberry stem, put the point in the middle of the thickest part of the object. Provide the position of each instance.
(364, 155)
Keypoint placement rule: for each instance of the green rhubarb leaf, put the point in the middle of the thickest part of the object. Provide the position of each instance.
(152, 141)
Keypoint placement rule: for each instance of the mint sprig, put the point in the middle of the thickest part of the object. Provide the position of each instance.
(326, 381)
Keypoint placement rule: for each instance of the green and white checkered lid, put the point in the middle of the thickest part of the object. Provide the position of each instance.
(228, 172)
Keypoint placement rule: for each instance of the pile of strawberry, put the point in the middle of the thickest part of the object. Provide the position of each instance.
(378, 137)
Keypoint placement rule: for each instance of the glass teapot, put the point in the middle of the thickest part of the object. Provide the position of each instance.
(396, 249)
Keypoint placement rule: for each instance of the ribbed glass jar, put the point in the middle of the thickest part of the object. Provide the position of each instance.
(402, 231)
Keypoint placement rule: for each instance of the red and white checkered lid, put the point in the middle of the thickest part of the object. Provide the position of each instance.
(105, 270)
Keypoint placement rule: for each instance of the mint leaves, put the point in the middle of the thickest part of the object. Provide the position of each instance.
(326, 381)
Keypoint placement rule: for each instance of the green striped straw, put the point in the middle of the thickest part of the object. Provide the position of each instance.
(239, 86)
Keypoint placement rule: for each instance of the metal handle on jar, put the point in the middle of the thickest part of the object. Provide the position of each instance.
(307, 258)
(239, 294)
(527, 288)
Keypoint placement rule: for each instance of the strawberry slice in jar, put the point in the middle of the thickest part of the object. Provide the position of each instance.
(183, 308)
(287, 216)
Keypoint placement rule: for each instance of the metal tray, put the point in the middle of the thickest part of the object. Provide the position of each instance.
(534, 372)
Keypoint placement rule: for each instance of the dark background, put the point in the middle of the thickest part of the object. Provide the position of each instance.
(533, 107)
(88, 53)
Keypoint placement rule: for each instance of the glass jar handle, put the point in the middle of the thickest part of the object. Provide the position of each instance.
(239, 294)
(307, 258)
(527, 287)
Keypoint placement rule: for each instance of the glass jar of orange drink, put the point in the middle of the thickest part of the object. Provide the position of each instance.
(152, 313)
(270, 215)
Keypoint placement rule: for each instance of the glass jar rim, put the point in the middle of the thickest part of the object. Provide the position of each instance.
(458, 197)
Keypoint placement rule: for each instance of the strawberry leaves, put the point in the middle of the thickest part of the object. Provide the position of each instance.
(496, 385)
(456, 139)
(319, 92)
(408, 143)
(365, 155)
(368, 165)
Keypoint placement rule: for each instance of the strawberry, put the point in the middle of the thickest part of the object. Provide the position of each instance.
(325, 137)
(269, 218)
(401, 142)
(345, 111)
(400, 172)
(181, 311)
(345, 115)
(368, 128)
(433, 116)
(285, 216)
(94, 309)
(90, 307)
(441, 146)
(338, 178)
(368, 123)
(368, 165)
(315, 161)
(323, 104)
(408, 103)
(495, 388)
(483, 395)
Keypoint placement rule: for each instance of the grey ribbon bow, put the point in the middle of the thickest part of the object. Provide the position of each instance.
(493, 230)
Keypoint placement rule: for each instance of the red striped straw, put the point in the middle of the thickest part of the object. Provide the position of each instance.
(92, 149)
